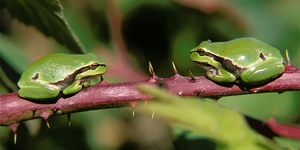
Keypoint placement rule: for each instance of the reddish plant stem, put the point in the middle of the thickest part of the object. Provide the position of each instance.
(284, 130)
(15, 109)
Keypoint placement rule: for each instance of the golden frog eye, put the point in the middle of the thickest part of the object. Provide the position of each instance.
(94, 66)
(201, 52)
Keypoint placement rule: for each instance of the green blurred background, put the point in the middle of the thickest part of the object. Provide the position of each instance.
(159, 31)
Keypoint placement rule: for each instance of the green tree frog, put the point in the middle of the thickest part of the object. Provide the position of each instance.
(245, 60)
(56, 74)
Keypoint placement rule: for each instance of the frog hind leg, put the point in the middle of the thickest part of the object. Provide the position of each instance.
(263, 71)
(37, 92)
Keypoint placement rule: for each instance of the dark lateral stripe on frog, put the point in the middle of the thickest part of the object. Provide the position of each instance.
(226, 63)
(71, 78)
(209, 67)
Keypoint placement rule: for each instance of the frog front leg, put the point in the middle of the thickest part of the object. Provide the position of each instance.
(35, 90)
(262, 71)
(79, 84)
(74, 87)
(220, 75)
(214, 69)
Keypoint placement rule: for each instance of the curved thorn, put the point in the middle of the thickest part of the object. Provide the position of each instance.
(48, 125)
(69, 119)
(153, 113)
(46, 115)
(174, 68)
(287, 57)
(151, 70)
(192, 76)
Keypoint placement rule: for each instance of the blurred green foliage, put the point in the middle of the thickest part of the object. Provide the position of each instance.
(205, 118)
(159, 31)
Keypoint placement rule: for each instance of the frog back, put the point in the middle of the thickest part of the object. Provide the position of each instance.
(245, 51)
(55, 67)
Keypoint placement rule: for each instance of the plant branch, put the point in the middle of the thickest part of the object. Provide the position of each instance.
(104, 95)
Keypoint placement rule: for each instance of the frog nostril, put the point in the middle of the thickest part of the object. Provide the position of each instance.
(262, 56)
(36, 76)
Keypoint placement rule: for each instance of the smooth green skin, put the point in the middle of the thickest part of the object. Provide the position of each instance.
(245, 59)
(53, 74)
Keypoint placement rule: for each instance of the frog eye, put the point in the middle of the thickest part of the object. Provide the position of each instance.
(201, 52)
(94, 66)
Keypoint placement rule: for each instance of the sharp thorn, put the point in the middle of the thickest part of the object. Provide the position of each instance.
(46, 115)
(69, 119)
(287, 57)
(174, 68)
(14, 128)
(153, 113)
(133, 104)
(192, 76)
(133, 112)
(48, 125)
(151, 70)
(15, 138)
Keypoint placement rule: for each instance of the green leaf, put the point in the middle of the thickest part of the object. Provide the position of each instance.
(206, 118)
(12, 54)
(288, 143)
(6, 86)
(47, 16)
